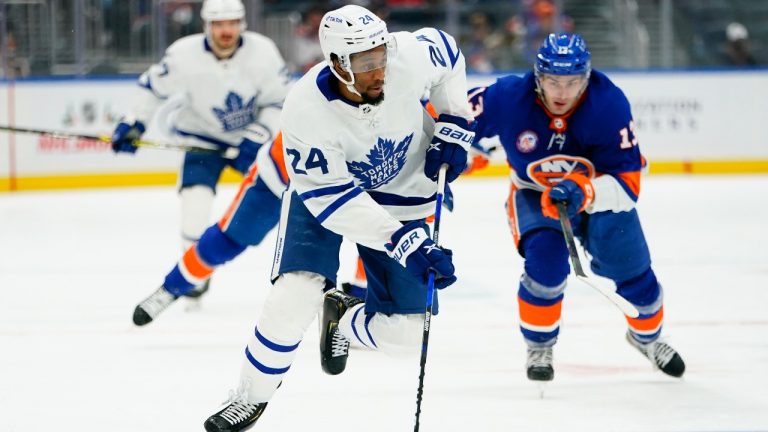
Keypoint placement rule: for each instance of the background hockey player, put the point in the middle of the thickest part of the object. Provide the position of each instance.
(356, 139)
(253, 213)
(568, 134)
(231, 84)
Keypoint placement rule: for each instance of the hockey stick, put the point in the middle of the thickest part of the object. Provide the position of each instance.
(229, 153)
(430, 293)
(626, 307)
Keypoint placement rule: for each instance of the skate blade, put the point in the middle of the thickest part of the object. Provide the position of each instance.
(541, 387)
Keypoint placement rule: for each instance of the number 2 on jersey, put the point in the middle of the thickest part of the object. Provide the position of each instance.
(316, 159)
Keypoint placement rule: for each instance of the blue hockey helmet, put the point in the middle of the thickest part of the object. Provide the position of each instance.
(563, 54)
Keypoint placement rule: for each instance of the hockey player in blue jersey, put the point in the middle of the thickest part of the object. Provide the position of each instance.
(228, 85)
(362, 158)
(568, 135)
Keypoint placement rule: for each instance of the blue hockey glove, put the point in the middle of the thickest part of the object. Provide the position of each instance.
(246, 155)
(126, 132)
(452, 138)
(414, 250)
(575, 190)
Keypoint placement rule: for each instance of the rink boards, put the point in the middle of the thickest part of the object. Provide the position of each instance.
(687, 122)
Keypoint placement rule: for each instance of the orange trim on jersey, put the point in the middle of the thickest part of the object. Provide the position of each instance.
(541, 316)
(632, 180)
(646, 324)
(276, 152)
(431, 110)
(512, 215)
(195, 266)
(429, 219)
(247, 182)
(360, 272)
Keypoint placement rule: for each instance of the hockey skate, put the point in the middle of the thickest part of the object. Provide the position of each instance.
(199, 291)
(150, 307)
(194, 296)
(334, 347)
(661, 355)
(237, 415)
(539, 364)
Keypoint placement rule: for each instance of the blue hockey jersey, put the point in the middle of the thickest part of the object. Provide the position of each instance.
(596, 137)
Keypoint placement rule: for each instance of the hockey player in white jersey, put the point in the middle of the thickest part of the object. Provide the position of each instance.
(231, 84)
(362, 156)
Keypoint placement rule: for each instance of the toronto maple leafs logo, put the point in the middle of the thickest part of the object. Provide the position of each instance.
(385, 160)
(235, 114)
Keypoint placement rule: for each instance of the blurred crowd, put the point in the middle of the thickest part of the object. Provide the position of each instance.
(492, 38)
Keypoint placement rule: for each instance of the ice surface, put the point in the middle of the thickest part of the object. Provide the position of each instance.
(73, 265)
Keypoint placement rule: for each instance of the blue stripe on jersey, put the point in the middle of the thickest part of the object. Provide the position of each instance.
(330, 190)
(273, 346)
(147, 84)
(325, 214)
(368, 319)
(262, 368)
(323, 81)
(384, 198)
(203, 138)
(453, 57)
(354, 327)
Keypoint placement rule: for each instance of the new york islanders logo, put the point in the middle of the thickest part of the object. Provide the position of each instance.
(551, 170)
(236, 114)
(526, 141)
(385, 160)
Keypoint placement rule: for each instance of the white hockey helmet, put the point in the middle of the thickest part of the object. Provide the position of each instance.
(348, 30)
(222, 10)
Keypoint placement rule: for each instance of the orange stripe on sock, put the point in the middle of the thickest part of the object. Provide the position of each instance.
(646, 324)
(542, 316)
(195, 266)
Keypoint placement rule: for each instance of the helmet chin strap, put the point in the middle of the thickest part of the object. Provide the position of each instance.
(352, 89)
(349, 83)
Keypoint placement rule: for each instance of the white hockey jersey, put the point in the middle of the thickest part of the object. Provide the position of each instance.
(221, 101)
(359, 168)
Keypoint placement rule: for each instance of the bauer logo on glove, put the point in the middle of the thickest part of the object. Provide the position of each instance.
(414, 250)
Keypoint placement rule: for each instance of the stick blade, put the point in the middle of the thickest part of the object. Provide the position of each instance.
(623, 304)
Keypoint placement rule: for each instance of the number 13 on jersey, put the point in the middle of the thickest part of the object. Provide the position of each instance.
(628, 136)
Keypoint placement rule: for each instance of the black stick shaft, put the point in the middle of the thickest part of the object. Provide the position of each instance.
(430, 295)
(565, 223)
